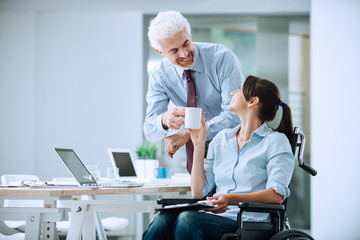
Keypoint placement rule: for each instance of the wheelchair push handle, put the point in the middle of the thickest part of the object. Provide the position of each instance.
(299, 156)
(308, 169)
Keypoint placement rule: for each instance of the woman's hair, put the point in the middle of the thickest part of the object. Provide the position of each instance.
(269, 102)
(165, 25)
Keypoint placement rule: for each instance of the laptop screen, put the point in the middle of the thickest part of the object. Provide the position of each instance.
(75, 165)
(124, 162)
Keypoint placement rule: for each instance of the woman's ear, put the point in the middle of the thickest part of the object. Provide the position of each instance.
(254, 101)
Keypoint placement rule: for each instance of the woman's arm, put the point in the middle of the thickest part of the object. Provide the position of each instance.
(198, 137)
(197, 172)
(223, 200)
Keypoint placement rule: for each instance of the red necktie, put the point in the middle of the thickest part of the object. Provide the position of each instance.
(191, 102)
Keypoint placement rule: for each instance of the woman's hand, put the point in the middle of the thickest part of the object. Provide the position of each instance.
(198, 136)
(222, 202)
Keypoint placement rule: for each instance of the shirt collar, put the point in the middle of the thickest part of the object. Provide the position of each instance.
(261, 131)
(197, 67)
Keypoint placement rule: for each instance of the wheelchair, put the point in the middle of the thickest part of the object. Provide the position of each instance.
(278, 228)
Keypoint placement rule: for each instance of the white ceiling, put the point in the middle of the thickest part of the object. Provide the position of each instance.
(258, 7)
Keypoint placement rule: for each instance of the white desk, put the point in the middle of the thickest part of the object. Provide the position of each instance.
(59, 200)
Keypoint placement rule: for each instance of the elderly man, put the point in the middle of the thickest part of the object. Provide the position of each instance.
(190, 74)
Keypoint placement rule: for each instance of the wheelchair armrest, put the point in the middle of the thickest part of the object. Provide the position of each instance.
(276, 211)
(261, 207)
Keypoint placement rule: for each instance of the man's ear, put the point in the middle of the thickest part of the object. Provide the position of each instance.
(254, 101)
(159, 52)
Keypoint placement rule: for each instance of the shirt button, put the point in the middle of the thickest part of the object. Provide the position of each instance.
(204, 111)
(197, 96)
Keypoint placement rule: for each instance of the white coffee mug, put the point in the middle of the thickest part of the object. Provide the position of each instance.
(192, 117)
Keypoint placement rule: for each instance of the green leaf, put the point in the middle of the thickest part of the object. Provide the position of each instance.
(146, 150)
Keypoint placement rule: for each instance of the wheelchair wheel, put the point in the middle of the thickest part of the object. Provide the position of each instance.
(291, 234)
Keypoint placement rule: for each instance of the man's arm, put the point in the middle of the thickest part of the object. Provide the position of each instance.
(158, 118)
(157, 103)
(175, 141)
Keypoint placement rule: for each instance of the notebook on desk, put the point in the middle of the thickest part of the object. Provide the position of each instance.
(81, 173)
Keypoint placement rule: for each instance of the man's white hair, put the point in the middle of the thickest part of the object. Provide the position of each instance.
(165, 25)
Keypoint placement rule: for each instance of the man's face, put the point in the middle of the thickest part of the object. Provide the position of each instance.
(179, 49)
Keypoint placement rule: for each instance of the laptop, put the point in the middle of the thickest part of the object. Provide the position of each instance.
(81, 173)
(122, 159)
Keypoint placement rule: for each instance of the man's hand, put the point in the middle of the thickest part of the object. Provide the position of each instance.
(174, 142)
(171, 119)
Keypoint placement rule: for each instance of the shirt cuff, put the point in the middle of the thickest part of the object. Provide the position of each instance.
(159, 125)
(279, 189)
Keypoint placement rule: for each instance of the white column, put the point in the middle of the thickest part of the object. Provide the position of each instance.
(335, 98)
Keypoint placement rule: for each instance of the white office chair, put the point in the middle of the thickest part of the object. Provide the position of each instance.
(16, 179)
(108, 223)
(16, 236)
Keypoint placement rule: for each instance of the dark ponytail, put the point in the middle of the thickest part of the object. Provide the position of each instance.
(269, 102)
(285, 125)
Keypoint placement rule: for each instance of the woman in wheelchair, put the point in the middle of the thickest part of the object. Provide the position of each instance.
(250, 163)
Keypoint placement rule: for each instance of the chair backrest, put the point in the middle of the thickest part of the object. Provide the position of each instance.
(297, 142)
(16, 179)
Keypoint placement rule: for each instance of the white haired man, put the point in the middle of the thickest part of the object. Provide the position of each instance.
(215, 72)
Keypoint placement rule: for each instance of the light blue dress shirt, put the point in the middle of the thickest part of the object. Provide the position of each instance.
(216, 73)
(265, 161)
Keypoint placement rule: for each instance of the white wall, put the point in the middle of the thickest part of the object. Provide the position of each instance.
(335, 98)
(17, 91)
(68, 79)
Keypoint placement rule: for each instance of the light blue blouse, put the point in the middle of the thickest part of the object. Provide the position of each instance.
(216, 73)
(265, 161)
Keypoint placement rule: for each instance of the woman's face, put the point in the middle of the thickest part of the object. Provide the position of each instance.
(238, 102)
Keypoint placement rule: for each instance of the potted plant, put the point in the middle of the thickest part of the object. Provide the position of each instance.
(146, 150)
(147, 162)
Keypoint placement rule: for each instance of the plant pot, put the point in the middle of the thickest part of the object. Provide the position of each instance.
(145, 168)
